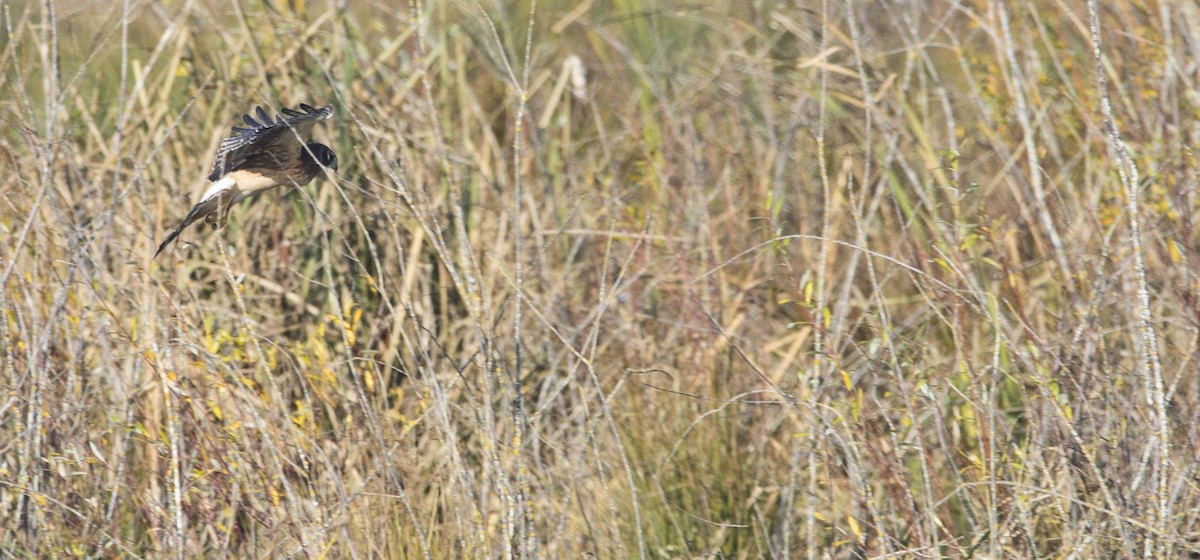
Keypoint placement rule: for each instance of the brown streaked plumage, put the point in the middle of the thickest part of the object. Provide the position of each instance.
(268, 154)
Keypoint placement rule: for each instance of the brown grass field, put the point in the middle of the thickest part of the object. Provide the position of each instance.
(626, 279)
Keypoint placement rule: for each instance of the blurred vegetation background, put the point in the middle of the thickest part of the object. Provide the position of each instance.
(836, 279)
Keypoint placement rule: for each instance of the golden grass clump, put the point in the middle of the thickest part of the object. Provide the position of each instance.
(605, 279)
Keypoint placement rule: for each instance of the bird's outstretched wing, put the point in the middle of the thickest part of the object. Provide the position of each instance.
(267, 143)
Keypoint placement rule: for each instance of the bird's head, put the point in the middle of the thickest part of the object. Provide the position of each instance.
(322, 155)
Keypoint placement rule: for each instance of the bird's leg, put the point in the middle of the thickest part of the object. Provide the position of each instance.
(226, 207)
(220, 215)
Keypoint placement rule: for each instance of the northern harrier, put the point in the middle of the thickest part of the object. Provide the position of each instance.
(268, 154)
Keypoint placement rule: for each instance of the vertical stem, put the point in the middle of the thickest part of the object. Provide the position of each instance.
(1148, 362)
(810, 529)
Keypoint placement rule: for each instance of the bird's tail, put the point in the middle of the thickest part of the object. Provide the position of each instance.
(198, 211)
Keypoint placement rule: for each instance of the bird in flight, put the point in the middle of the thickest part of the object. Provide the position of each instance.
(269, 153)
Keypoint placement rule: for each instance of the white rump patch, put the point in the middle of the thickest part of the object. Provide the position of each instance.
(223, 184)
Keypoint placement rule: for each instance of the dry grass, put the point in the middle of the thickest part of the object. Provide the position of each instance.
(847, 280)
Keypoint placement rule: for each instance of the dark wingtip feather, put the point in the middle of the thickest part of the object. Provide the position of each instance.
(264, 117)
(309, 111)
